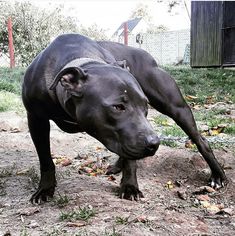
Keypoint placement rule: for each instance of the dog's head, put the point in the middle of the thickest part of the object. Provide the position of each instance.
(109, 104)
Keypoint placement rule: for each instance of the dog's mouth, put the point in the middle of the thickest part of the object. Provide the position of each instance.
(137, 153)
(131, 153)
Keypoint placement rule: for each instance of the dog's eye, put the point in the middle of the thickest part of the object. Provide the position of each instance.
(119, 107)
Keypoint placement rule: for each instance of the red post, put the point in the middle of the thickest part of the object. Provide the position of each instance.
(125, 33)
(10, 40)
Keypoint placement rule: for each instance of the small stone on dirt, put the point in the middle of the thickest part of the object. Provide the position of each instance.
(204, 189)
(203, 197)
(29, 211)
(182, 194)
(228, 211)
(33, 224)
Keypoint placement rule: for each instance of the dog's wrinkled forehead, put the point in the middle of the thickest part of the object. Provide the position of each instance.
(118, 82)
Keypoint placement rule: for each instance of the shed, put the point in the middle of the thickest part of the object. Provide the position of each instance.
(212, 33)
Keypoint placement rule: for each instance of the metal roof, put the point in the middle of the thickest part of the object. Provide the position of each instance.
(131, 24)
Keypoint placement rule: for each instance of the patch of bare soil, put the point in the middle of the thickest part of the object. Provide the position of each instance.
(174, 203)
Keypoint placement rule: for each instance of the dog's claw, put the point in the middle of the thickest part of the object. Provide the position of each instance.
(130, 192)
(217, 182)
(217, 186)
(212, 184)
(122, 196)
(42, 195)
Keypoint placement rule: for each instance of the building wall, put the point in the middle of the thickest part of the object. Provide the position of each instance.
(166, 47)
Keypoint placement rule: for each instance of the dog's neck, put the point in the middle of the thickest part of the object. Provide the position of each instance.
(79, 62)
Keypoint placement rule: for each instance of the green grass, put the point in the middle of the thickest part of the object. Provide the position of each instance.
(121, 220)
(11, 79)
(24, 232)
(230, 129)
(112, 233)
(213, 118)
(55, 231)
(173, 130)
(33, 177)
(219, 83)
(10, 89)
(161, 120)
(10, 102)
(82, 214)
(203, 114)
(2, 188)
(61, 201)
(169, 143)
(7, 171)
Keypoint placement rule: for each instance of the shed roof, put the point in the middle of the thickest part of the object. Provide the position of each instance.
(131, 24)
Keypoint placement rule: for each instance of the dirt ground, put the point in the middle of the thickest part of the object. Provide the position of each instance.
(175, 202)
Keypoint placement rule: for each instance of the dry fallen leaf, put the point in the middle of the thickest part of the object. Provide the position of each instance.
(76, 224)
(111, 178)
(142, 219)
(205, 133)
(210, 100)
(15, 130)
(189, 144)
(22, 172)
(204, 189)
(202, 197)
(59, 159)
(166, 123)
(190, 97)
(99, 148)
(205, 204)
(93, 174)
(213, 209)
(217, 130)
(196, 107)
(169, 185)
(208, 189)
(66, 162)
(93, 168)
(86, 169)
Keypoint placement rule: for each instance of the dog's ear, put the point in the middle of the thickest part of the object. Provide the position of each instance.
(71, 79)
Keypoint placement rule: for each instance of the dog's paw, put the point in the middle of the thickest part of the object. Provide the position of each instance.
(217, 182)
(42, 195)
(130, 192)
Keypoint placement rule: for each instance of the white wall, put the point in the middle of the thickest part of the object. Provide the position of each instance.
(166, 47)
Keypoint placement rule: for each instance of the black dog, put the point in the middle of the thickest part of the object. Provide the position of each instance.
(84, 85)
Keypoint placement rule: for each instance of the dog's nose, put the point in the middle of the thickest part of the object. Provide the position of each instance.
(152, 144)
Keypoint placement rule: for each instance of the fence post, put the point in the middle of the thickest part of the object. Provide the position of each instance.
(125, 33)
(10, 43)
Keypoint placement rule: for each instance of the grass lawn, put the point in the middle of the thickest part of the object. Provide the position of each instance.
(205, 84)
(10, 89)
